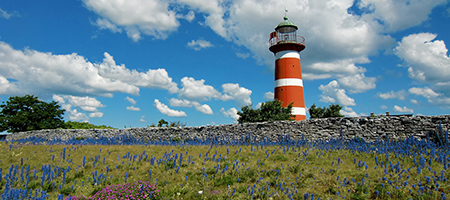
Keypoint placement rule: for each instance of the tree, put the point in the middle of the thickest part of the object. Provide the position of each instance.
(269, 111)
(332, 111)
(162, 122)
(29, 113)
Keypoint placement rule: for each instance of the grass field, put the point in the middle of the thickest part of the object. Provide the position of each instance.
(212, 169)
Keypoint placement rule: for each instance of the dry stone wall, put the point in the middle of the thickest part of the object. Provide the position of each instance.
(368, 128)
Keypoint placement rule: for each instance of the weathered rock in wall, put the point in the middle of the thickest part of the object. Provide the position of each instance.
(368, 128)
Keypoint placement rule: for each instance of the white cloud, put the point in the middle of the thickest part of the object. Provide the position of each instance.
(143, 119)
(158, 78)
(105, 24)
(74, 115)
(269, 96)
(427, 60)
(151, 17)
(131, 100)
(7, 87)
(348, 112)
(433, 97)
(240, 95)
(414, 101)
(45, 74)
(399, 14)
(85, 103)
(197, 90)
(4, 14)
(426, 92)
(232, 113)
(88, 104)
(402, 110)
(190, 16)
(383, 107)
(401, 95)
(205, 109)
(357, 83)
(332, 93)
(199, 44)
(243, 55)
(164, 109)
(59, 99)
(96, 114)
(133, 108)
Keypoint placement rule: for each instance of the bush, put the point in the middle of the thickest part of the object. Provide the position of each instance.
(332, 111)
(269, 111)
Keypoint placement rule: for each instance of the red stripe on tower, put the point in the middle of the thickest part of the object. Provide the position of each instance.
(286, 46)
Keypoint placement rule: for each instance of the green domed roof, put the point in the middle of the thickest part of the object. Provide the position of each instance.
(285, 23)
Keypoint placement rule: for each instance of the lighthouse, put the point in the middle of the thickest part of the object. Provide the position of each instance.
(286, 46)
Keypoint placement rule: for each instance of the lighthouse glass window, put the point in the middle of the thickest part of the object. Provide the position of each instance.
(287, 37)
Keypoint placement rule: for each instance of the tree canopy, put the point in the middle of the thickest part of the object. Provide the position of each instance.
(29, 113)
(332, 111)
(269, 111)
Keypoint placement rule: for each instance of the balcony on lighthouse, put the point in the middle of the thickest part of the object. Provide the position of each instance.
(285, 37)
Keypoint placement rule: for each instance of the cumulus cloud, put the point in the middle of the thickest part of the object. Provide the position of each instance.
(332, 93)
(357, 83)
(205, 109)
(401, 95)
(426, 92)
(197, 90)
(45, 74)
(398, 15)
(427, 60)
(433, 97)
(383, 107)
(240, 95)
(232, 113)
(7, 87)
(137, 17)
(105, 24)
(96, 114)
(404, 109)
(143, 119)
(199, 44)
(164, 109)
(131, 100)
(269, 96)
(87, 104)
(348, 112)
(133, 108)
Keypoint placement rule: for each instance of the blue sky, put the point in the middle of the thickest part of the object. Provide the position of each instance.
(132, 63)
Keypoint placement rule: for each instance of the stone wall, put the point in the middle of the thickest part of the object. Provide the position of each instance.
(369, 128)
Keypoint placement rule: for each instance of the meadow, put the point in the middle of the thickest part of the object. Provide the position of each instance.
(213, 168)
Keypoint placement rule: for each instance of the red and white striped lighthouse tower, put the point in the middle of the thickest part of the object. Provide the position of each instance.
(286, 45)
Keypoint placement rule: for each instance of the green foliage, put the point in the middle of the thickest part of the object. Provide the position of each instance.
(269, 111)
(177, 124)
(84, 125)
(332, 111)
(162, 122)
(29, 113)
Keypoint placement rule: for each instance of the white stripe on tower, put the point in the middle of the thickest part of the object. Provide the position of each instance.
(289, 82)
(298, 111)
(287, 54)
